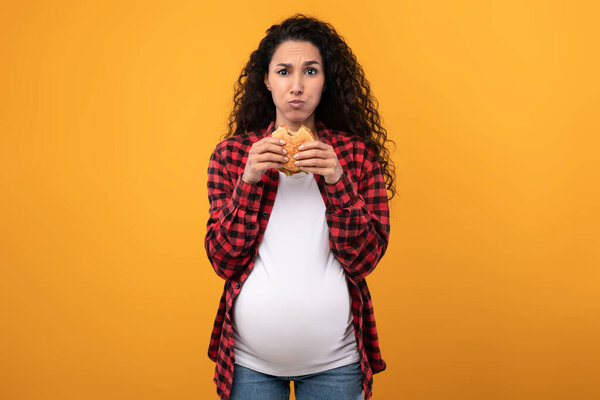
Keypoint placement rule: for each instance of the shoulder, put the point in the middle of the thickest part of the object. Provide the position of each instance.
(350, 146)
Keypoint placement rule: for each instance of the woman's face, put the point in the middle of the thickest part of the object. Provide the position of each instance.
(296, 79)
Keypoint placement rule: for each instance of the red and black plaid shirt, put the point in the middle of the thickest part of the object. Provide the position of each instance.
(357, 215)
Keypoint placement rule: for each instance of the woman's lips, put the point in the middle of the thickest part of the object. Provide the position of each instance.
(296, 103)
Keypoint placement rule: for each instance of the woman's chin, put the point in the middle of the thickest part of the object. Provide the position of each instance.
(298, 117)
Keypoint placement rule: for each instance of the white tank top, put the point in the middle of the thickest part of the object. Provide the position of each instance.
(293, 315)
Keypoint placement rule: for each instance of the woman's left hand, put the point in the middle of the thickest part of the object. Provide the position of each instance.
(319, 158)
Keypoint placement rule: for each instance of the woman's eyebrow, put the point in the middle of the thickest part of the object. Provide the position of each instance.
(305, 63)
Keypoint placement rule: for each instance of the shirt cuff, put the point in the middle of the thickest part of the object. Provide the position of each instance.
(247, 195)
(341, 194)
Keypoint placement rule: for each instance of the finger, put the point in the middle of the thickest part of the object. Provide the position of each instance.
(315, 144)
(267, 142)
(266, 165)
(315, 153)
(270, 157)
(269, 147)
(315, 162)
(271, 139)
(261, 167)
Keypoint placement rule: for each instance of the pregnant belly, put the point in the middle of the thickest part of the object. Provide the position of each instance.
(295, 324)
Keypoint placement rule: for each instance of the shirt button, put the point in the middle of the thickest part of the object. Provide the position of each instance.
(265, 214)
(250, 226)
(237, 285)
(254, 196)
(338, 194)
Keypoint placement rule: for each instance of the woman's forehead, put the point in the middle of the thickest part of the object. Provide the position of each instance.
(291, 51)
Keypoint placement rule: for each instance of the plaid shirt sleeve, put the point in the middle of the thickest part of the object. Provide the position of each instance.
(233, 226)
(358, 214)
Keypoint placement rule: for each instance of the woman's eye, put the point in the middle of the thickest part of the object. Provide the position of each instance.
(310, 71)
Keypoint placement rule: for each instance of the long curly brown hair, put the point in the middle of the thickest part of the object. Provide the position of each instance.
(346, 102)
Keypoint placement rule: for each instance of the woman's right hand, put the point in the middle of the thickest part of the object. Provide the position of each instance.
(264, 154)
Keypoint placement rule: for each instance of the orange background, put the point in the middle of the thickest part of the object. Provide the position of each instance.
(109, 112)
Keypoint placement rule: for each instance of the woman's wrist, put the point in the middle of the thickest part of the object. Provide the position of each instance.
(336, 177)
(249, 180)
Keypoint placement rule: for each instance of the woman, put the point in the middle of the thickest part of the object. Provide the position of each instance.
(295, 250)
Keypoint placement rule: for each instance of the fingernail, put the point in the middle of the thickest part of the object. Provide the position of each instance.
(296, 162)
(285, 158)
(301, 147)
(284, 151)
(296, 155)
(281, 141)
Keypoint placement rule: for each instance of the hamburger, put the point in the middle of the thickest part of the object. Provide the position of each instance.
(293, 140)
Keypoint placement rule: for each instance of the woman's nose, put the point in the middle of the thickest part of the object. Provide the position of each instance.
(297, 85)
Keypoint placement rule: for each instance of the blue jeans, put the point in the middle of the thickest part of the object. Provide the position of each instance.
(342, 383)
